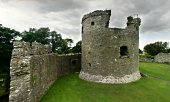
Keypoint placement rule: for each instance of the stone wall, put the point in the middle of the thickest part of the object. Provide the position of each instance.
(162, 58)
(145, 59)
(33, 70)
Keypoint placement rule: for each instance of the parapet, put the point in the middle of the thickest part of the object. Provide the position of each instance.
(133, 22)
(97, 13)
(27, 49)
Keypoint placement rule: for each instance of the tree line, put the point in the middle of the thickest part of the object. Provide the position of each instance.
(45, 36)
(155, 48)
(41, 35)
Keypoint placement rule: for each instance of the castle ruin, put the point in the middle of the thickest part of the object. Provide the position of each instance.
(109, 55)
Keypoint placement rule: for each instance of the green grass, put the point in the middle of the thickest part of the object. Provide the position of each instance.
(160, 71)
(155, 88)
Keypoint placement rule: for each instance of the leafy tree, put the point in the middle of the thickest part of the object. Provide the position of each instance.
(155, 48)
(59, 45)
(39, 35)
(29, 36)
(63, 49)
(140, 51)
(55, 40)
(77, 48)
(7, 36)
(69, 41)
(168, 50)
(44, 36)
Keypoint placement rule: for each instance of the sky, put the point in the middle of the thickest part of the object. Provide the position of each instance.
(64, 16)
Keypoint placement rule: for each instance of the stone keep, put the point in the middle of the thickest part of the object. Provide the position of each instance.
(109, 55)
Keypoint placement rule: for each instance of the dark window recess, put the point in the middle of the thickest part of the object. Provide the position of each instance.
(92, 23)
(123, 51)
(74, 62)
(89, 64)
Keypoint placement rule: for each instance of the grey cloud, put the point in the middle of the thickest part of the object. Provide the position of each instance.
(147, 6)
(151, 12)
(65, 15)
(59, 5)
(156, 22)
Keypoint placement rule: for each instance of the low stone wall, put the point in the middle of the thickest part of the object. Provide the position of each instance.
(145, 59)
(32, 71)
(162, 58)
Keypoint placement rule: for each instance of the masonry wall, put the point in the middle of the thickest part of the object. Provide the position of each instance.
(162, 58)
(145, 59)
(34, 71)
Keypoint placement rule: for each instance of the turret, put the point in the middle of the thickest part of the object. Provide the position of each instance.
(109, 55)
(133, 23)
(96, 20)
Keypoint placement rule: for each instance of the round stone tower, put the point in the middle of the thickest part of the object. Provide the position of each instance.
(109, 55)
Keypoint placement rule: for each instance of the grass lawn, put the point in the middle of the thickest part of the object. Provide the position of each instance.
(155, 88)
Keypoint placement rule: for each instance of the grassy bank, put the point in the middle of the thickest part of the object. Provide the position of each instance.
(155, 88)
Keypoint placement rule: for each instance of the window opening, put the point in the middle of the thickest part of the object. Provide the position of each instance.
(92, 23)
(123, 51)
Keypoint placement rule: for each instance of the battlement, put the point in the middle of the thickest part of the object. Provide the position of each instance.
(97, 13)
(27, 49)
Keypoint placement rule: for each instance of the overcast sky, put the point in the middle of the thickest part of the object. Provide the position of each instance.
(64, 16)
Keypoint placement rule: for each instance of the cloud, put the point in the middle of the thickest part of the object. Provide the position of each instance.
(60, 5)
(64, 16)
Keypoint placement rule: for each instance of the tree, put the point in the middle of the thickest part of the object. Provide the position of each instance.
(7, 36)
(63, 49)
(155, 48)
(45, 36)
(69, 41)
(42, 35)
(59, 45)
(140, 51)
(77, 48)
(39, 35)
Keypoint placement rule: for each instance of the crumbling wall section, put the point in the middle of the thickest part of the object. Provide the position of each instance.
(34, 68)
